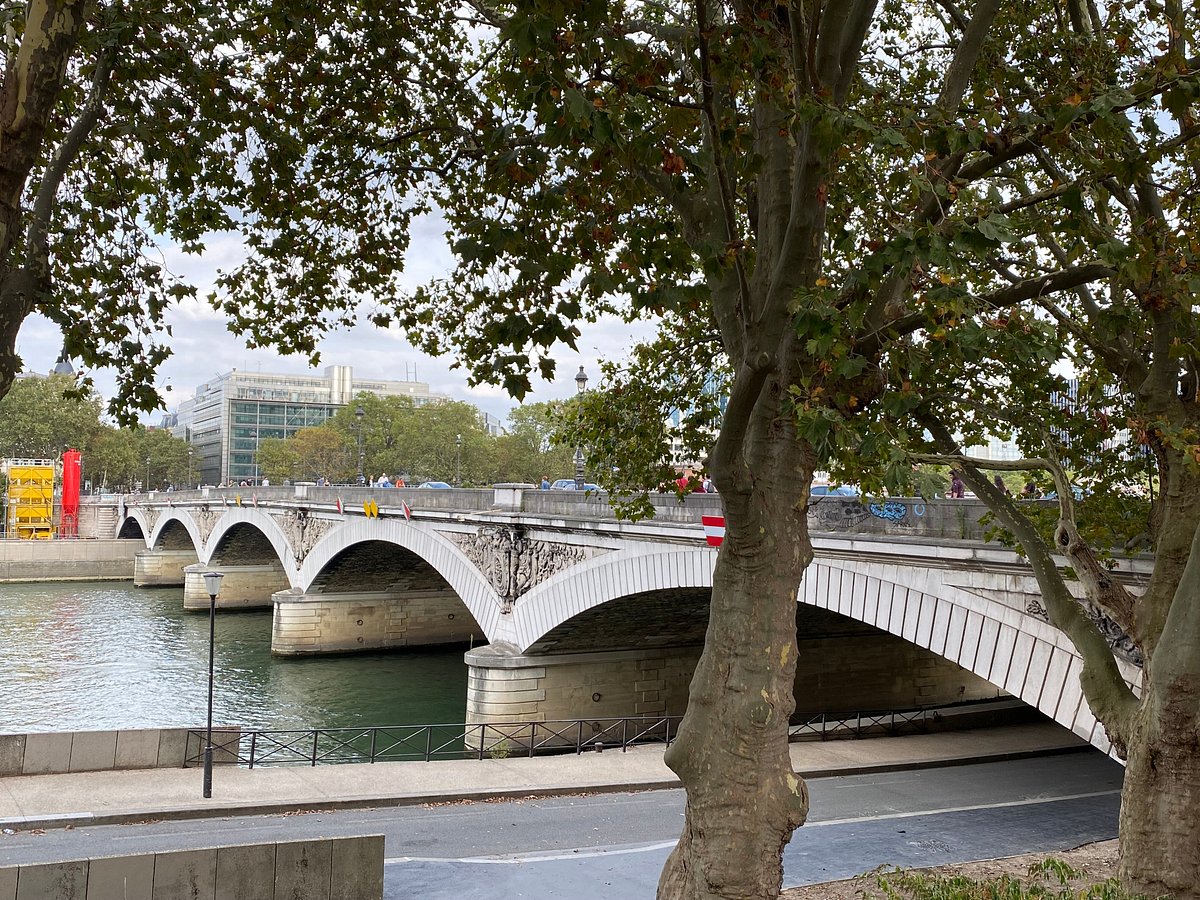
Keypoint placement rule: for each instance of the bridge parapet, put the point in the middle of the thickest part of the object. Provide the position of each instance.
(894, 516)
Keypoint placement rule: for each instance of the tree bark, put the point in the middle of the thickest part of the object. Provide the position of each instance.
(1160, 799)
(744, 800)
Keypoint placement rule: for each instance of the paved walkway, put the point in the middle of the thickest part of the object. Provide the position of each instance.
(48, 801)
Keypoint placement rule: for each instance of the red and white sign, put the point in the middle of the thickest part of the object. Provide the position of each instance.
(714, 529)
(404, 507)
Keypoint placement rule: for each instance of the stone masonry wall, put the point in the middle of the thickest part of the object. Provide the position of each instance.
(866, 672)
(161, 568)
(243, 587)
(580, 686)
(313, 624)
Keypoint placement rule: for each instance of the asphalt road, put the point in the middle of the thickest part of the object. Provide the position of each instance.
(613, 845)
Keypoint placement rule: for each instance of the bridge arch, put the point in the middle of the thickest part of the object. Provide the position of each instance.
(1014, 650)
(603, 579)
(432, 548)
(172, 530)
(135, 525)
(234, 519)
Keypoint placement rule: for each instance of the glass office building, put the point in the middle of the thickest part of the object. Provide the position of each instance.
(228, 416)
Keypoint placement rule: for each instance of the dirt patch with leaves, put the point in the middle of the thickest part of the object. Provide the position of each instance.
(1087, 867)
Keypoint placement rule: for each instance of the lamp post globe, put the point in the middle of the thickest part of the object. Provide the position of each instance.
(581, 381)
(212, 584)
(359, 412)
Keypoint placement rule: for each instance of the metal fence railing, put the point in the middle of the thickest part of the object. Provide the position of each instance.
(824, 727)
(397, 743)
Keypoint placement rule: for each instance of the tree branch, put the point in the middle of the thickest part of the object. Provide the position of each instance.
(1110, 698)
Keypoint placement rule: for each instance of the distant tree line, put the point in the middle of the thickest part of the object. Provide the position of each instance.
(432, 442)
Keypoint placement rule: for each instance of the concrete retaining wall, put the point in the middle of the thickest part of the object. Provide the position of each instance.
(329, 869)
(67, 560)
(54, 753)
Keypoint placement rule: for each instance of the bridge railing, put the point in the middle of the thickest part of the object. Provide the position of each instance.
(398, 743)
(896, 516)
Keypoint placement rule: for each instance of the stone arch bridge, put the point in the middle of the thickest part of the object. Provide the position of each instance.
(583, 615)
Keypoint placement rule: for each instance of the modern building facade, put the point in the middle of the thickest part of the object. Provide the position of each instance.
(228, 416)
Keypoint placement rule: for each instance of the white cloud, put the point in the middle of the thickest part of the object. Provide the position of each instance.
(203, 346)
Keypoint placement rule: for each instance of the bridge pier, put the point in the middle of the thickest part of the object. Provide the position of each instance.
(161, 568)
(314, 623)
(504, 685)
(243, 587)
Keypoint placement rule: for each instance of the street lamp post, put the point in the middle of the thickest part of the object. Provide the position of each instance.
(581, 380)
(189, 468)
(358, 414)
(212, 584)
(147, 474)
(458, 461)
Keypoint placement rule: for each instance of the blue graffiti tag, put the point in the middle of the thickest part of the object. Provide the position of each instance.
(891, 510)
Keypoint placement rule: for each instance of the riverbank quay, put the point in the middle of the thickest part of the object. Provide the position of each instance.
(67, 560)
(128, 796)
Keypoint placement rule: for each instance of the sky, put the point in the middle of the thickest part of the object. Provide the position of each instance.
(203, 346)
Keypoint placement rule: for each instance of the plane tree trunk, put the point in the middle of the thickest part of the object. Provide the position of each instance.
(744, 800)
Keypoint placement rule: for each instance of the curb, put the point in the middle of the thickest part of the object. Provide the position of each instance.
(143, 816)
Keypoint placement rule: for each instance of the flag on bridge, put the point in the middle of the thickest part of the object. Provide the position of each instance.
(407, 512)
(341, 509)
(714, 529)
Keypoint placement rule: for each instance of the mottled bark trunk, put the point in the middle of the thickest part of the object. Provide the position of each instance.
(33, 82)
(1160, 801)
(744, 800)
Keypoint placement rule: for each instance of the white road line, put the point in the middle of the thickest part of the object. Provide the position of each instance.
(654, 848)
(1032, 801)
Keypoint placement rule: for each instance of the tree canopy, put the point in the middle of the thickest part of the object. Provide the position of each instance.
(291, 124)
(862, 226)
(856, 219)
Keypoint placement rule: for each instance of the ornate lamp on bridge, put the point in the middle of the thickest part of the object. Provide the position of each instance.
(189, 468)
(212, 584)
(358, 414)
(581, 380)
(458, 460)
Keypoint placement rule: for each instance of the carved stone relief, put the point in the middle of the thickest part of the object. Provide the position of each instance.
(513, 563)
(303, 531)
(206, 521)
(151, 515)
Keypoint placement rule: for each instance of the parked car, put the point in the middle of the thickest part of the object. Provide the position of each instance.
(831, 490)
(568, 484)
(440, 485)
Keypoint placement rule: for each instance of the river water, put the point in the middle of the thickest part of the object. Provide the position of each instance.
(77, 656)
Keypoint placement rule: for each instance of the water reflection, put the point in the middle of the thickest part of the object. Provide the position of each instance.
(103, 655)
